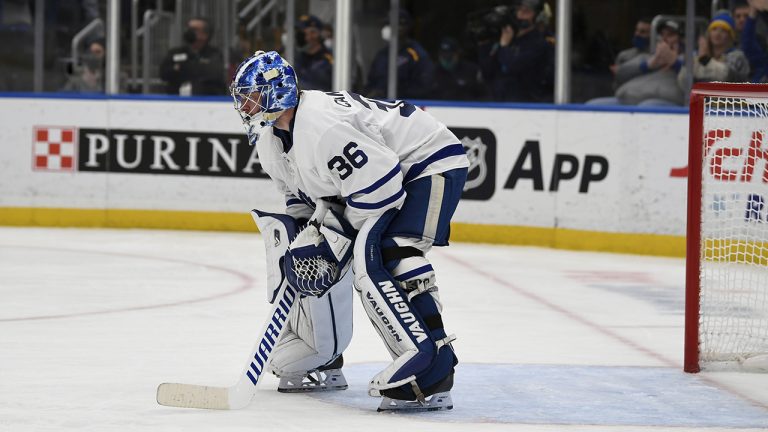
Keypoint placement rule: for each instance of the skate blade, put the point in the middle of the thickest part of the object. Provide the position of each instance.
(436, 402)
(310, 389)
(314, 382)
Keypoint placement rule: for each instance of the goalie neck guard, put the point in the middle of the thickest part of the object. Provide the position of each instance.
(263, 87)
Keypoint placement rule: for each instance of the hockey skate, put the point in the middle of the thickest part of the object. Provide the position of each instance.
(438, 398)
(324, 378)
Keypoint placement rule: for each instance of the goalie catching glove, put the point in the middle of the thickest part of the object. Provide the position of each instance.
(318, 258)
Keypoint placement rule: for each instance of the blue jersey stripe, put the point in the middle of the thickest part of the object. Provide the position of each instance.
(293, 201)
(380, 182)
(380, 204)
(414, 272)
(445, 152)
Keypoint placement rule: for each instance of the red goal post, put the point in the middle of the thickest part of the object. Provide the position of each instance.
(726, 310)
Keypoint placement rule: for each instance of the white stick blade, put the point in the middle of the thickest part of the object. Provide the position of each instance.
(192, 396)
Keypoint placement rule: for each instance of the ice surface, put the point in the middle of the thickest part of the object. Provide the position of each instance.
(572, 395)
(92, 320)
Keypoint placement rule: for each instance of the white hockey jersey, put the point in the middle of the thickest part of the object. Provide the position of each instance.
(358, 149)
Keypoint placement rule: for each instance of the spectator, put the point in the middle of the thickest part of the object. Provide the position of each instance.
(641, 42)
(754, 45)
(651, 80)
(415, 70)
(717, 59)
(88, 77)
(740, 12)
(515, 66)
(195, 68)
(455, 78)
(314, 62)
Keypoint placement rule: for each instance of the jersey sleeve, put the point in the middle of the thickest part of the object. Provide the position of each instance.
(366, 172)
(296, 208)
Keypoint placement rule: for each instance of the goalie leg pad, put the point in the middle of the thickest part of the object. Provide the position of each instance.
(319, 330)
(411, 329)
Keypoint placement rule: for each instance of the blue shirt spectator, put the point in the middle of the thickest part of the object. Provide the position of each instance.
(455, 77)
(754, 45)
(314, 62)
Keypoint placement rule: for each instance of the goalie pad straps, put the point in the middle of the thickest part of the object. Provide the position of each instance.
(404, 258)
(413, 342)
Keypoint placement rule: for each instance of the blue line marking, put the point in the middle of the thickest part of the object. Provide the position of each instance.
(101, 96)
(551, 107)
(425, 103)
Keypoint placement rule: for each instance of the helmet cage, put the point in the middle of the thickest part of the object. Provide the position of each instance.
(252, 104)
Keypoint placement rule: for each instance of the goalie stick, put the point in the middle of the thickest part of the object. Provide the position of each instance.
(240, 394)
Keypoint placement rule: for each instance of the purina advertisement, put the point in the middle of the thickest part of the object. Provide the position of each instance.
(544, 168)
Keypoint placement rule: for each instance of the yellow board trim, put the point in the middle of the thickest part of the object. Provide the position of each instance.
(560, 238)
(114, 218)
(571, 239)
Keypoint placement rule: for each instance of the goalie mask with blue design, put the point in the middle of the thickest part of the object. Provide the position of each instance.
(264, 86)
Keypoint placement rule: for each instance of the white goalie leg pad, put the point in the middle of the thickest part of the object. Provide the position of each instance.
(319, 330)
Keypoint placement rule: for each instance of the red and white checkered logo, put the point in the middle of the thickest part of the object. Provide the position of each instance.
(54, 148)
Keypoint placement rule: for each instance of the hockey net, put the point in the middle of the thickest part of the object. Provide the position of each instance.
(727, 241)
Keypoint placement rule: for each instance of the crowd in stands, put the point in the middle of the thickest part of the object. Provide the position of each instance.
(511, 57)
(730, 50)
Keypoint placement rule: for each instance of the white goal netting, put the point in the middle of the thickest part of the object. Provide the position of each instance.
(733, 315)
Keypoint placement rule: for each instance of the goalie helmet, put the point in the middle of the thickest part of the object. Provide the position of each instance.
(263, 87)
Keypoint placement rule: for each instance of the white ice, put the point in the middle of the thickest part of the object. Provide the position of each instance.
(91, 321)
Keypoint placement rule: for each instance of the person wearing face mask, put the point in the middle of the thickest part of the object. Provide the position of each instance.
(622, 67)
(196, 68)
(415, 70)
(314, 61)
(514, 65)
(641, 42)
(88, 76)
(455, 77)
(650, 79)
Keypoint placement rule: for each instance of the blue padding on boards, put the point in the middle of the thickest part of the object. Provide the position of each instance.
(572, 395)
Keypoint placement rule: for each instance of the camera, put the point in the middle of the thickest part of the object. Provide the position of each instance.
(486, 24)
